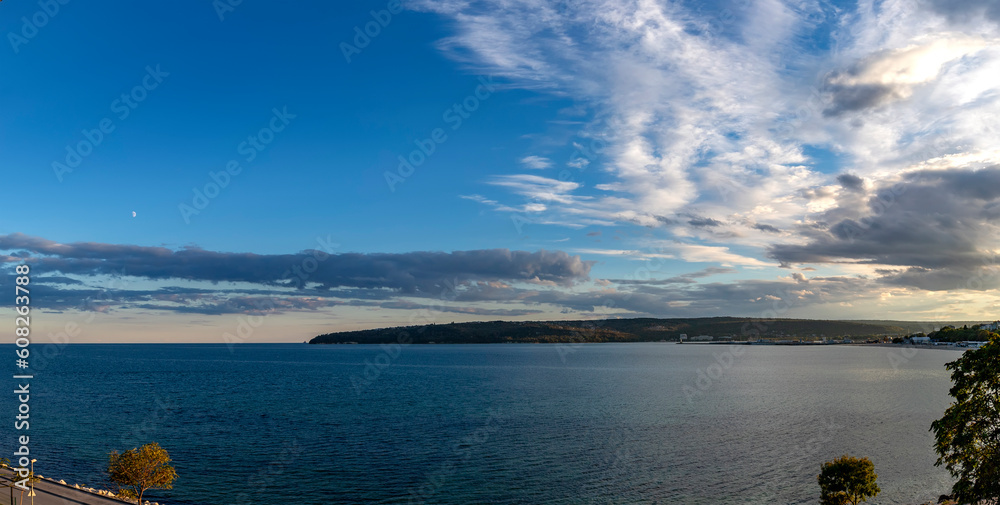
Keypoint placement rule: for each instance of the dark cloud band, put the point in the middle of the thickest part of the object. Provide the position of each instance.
(405, 272)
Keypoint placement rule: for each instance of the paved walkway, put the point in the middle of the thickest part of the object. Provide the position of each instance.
(51, 493)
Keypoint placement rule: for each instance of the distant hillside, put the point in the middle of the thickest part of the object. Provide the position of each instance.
(619, 330)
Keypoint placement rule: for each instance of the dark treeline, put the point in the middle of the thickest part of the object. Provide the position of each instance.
(616, 330)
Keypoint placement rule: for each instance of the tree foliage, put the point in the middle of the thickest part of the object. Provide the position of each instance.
(138, 470)
(847, 480)
(967, 437)
(952, 334)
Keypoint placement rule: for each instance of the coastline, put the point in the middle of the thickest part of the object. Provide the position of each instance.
(84, 495)
(62, 492)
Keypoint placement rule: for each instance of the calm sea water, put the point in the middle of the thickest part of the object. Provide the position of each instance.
(512, 424)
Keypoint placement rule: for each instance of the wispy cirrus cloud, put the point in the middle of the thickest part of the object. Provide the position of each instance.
(763, 127)
(534, 187)
(675, 92)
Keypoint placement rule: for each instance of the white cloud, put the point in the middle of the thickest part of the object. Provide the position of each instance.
(526, 208)
(538, 188)
(632, 254)
(536, 162)
(711, 112)
(680, 115)
(694, 253)
(915, 64)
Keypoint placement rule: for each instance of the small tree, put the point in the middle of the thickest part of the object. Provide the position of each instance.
(140, 469)
(847, 480)
(967, 437)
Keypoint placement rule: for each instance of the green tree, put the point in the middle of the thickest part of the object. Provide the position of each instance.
(138, 470)
(847, 480)
(967, 437)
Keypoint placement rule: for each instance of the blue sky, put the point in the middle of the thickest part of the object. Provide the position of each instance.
(613, 159)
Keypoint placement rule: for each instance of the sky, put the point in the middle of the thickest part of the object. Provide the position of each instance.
(245, 171)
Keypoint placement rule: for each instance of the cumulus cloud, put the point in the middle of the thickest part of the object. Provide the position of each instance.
(892, 74)
(851, 182)
(939, 225)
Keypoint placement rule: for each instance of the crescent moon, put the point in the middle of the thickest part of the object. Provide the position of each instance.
(133, 213)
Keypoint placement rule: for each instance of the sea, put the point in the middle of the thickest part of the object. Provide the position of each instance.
(642, 423)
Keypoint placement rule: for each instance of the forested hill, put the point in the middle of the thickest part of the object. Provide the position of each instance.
(615, 330)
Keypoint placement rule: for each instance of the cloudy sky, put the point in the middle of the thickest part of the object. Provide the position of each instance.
(197, 171)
